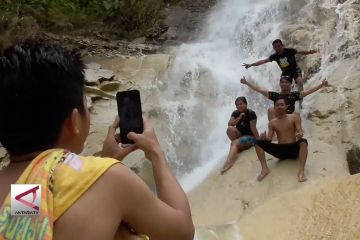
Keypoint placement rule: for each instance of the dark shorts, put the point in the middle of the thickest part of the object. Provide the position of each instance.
(281, 151)
(294, 75)
(247, 140)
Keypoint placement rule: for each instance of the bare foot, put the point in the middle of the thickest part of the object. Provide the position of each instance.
(226, 167)
(301, 176)
(263, 174)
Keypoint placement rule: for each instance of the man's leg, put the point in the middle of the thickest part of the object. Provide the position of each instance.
(264, 167)
(303, 156)
(232, 133)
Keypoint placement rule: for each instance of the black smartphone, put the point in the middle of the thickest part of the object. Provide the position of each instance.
(130, 113)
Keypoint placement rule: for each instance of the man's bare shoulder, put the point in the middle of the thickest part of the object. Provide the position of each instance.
(104, 199)
(293, 116)
(275, 121)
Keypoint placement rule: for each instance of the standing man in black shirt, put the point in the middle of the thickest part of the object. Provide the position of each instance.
(285, 86)
(241, 131)
(285, 58)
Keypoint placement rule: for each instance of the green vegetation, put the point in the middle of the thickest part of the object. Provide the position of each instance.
(122, 18)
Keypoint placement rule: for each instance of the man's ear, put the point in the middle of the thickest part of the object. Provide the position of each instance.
(73, 122)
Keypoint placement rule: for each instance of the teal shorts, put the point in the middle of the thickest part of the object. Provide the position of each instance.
(247, 140)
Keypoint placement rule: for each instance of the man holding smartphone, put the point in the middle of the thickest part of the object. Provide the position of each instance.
(44, 124)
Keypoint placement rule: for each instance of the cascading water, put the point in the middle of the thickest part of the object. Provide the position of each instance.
(204, 83)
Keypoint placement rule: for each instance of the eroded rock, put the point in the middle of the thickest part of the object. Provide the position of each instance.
(320, 115)
(353, 159)
(94, 74)
(110, 86)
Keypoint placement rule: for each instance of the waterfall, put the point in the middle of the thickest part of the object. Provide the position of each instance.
(204, 82)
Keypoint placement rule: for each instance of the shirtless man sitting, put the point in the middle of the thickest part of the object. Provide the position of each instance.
(291, 143)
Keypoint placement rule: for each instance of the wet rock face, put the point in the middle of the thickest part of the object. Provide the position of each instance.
(184, 20)
(353, 159)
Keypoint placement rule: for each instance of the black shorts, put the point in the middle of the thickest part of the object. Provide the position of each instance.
(281, 151)
(294, 75)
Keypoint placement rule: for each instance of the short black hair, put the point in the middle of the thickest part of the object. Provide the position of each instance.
(277, 41)
(286, 100)
(40, 85)
(243, 99)
(287, 78)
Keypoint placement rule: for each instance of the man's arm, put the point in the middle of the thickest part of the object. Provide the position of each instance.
(299, 131)
(254, 129)
(270, 132)
(314, 89)
(263, 92)
(164, 217)
(260, 62)
(306, 52)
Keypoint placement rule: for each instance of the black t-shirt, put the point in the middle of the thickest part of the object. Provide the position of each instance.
(286, 61)
(244, 124)
(292, 97)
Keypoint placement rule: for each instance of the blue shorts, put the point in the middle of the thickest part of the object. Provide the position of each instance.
(247, 140)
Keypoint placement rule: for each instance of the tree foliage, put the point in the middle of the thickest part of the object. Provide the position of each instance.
(127, 18)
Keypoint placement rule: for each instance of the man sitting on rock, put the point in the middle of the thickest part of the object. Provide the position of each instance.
(285, 86)
(291, 143)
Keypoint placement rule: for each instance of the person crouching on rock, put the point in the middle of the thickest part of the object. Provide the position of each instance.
(241, 131)
(291, 143)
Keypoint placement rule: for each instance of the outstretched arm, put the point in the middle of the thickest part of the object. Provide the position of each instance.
(314, 89)
(260, 62)
(306, 52)
(264, 92)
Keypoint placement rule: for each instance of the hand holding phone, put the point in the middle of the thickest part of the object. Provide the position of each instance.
(130, 113)
(148, 142)
(111, 147)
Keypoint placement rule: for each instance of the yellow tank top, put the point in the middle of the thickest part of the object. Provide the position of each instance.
(64, 177)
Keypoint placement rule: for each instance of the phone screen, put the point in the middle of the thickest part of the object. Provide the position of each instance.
(130, 113)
